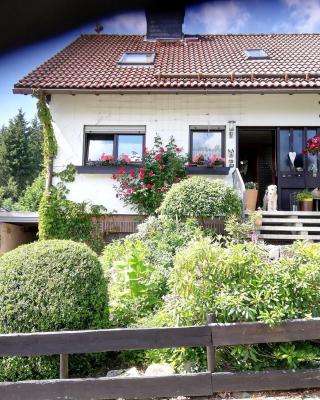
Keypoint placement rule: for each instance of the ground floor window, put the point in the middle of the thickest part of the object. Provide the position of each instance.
(102, 143)
(207, 142)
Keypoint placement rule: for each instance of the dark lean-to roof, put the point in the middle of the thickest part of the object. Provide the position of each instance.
(211, 62)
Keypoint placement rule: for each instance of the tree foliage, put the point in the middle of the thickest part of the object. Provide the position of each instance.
(20, 157)
(30, 199)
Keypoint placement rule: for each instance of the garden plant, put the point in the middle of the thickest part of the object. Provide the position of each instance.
(239, 283)
(143, 189)
(50, 286)
(200, 197)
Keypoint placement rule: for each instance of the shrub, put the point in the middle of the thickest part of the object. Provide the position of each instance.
(164, 237)
(200, 197)
(160, 168)
(49, 286)
(30, 199)
(139, 267)
(239, 230)
(60, 218)
(135, 287)
(239, 283)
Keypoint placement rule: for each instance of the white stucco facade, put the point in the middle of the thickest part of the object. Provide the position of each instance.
(166, 115)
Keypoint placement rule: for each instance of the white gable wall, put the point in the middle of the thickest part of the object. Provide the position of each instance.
(165, 114)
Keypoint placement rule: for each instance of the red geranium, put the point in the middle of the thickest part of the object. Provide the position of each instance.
(125, 158)
(312, 146)
(106, 157)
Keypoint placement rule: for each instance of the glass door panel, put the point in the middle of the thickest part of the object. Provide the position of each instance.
(311, 160)
(284, 148)
(297, 147)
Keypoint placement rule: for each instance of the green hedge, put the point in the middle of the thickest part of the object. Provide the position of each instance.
(200, 197)
(49, 286)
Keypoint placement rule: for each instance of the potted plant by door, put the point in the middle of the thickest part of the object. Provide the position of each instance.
(251, 195)
(305, 200)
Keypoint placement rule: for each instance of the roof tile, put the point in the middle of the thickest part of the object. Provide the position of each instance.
(91, 62)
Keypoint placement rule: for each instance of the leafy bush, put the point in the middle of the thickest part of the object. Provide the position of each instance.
(164, 237)
(30, 199)
(49, 286)
(135, 287)
(160, 168)
(200, 197)
(8, 193)
(238, 230)
(139, 267)
(60, 218)
(239, 283)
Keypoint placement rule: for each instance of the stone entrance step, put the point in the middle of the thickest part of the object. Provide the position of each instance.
(294, 228)
(291, 237)
(291, 220)
(290, 226)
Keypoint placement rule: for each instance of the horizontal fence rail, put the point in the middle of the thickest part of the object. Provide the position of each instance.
(258, 332)
(72, 342)
(201, 384)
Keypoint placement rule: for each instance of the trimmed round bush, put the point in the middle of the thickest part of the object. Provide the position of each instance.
(49, 286)
(200, 197)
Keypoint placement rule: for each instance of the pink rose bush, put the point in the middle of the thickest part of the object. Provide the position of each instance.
(143, 188)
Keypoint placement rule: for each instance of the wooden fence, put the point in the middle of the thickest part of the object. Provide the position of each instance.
(201, 384)
(118, 225)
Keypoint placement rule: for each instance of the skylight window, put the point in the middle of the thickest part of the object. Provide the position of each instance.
(137, 58)
(256, 54)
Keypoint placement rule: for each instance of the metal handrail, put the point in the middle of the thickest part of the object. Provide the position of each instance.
(239, 187)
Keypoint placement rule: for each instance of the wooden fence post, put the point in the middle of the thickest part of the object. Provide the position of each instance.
(211, 350)
(64, 366)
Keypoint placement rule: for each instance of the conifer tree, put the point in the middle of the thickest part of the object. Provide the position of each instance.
(20, 157)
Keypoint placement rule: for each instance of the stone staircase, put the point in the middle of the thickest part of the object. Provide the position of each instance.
(290, 225)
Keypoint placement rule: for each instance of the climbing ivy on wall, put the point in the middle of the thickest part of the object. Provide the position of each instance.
(50, 147)
(60, 218)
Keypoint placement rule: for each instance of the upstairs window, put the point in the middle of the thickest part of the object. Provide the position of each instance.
(256, 54)
(113, 143)
(137, 58)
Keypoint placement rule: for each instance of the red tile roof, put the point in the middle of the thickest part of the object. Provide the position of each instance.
(212, 62)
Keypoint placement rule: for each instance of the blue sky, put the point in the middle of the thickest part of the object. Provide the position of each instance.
(224, 16)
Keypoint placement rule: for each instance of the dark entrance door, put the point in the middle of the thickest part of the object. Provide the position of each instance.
(299, 171)
(256, 157)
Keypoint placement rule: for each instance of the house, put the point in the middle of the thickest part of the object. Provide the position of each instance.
(250, 98)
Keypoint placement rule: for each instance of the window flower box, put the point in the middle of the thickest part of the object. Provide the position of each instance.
(104, 169)
(113, 169)
(206, 170)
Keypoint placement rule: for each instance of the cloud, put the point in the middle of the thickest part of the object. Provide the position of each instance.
(216, 17)
(133, 23)
(303, 17)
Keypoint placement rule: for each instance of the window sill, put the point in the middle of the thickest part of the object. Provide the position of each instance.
(203, 170)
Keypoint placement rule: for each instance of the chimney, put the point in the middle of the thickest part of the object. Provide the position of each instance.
(165, 25)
